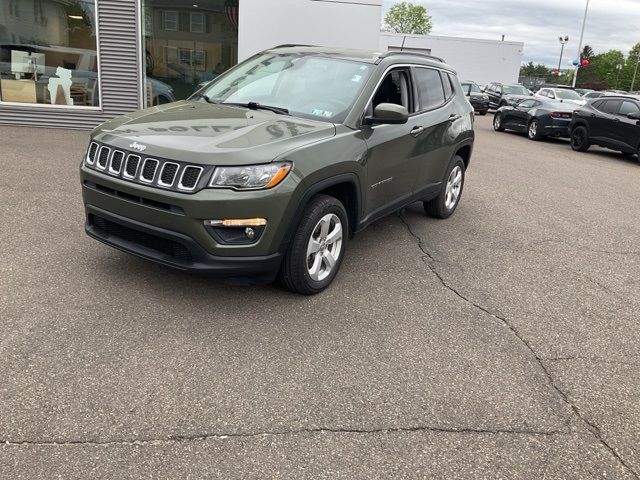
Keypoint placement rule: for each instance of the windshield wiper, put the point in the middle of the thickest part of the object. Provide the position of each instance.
(207, 99)
(259, 106)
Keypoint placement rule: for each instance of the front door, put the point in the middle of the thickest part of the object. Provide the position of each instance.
(390, 166)
(629, 131)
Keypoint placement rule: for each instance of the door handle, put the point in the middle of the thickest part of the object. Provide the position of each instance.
(453, 117)
(592, 114)
(416, 131)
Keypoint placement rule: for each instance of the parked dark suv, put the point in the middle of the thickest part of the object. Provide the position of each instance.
(501, 94)
(611, 122)
(271, 167)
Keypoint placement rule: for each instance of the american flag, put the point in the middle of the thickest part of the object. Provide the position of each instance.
(231, 9)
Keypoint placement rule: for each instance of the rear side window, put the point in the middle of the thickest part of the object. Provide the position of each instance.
(611, 106)
(446, 82)
(628, 107)
(430, 89)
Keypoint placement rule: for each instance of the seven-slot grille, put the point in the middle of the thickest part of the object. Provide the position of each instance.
(116, 162)
(146, 170)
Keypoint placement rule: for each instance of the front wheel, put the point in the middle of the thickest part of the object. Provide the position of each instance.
(533, 132)
(482, 112)
(447, 200)
(580, 139)
(318, 246)
(497, 122)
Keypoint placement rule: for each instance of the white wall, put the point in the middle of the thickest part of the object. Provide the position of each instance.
(333, 23)
(483, 61)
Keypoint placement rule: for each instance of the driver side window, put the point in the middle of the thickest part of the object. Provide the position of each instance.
(395, 88)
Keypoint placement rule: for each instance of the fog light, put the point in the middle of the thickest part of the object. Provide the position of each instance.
(237, 222)
(250, 233)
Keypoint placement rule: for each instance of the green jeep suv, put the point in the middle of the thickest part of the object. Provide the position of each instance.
(268, 170)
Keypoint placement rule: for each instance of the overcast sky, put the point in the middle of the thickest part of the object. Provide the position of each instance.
(611, 24)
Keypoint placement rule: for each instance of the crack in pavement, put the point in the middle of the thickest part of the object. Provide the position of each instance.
(430, 262)
(222, 436)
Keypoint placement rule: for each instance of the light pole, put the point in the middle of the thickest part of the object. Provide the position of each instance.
(619, 69)
(563, 41)
(635, 72)
(584, 23)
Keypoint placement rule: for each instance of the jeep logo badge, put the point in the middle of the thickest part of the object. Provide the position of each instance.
(137, 146)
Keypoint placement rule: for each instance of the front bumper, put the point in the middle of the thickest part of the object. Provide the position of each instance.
(480, 105)
(172, 248)
(168, 227)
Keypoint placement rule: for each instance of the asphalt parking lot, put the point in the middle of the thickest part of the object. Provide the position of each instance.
(501, 343)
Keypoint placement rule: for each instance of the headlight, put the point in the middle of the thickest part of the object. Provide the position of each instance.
(250, 177)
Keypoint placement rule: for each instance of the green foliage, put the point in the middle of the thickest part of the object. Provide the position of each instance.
(602, 72)
(531, 70)
(587, 52)
(406, 17)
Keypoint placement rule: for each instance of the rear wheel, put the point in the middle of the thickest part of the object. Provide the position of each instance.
(317, 249)
(447, 200)
(580, 139)
(533, 131)
(497, 122)
(482, 112)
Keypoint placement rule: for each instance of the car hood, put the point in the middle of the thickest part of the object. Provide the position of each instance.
(479, 96)
(199, 132)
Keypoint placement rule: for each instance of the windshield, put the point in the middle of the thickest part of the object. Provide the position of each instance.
(307, 85)
(515, 90)
(567, 95)
(470, 87)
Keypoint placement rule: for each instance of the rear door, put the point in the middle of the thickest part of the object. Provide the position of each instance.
(602, 125)
(629, 129)
(436, 115)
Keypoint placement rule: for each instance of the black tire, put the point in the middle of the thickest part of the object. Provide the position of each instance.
(533, 130)
(497, 122)
(482, 112)
(294, 272)
(579, 139)
(437, 207)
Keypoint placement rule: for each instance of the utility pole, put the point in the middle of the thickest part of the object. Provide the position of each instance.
(584, 23)
(635, 72)
(619, 69)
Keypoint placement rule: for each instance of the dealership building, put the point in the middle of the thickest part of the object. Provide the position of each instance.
(77, 63)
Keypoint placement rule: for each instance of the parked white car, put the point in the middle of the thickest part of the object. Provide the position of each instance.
(564, 94)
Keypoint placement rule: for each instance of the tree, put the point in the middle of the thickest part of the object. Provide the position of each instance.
(587, 52)
(406, 17)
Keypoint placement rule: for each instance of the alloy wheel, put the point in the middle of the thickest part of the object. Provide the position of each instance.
(497, 121)
(533, 129)
(454, 186)
(324, 247)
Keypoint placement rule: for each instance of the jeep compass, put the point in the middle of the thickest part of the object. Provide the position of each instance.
(268, 170)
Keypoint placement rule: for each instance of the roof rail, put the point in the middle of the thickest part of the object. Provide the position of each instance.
(398, 52)
(289, 45)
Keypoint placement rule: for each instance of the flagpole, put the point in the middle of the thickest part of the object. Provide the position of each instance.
(584, 23)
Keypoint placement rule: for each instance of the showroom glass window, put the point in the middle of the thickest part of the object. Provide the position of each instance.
(48, 53)
(186, 43)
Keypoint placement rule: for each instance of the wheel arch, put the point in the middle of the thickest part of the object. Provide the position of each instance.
(345, 187)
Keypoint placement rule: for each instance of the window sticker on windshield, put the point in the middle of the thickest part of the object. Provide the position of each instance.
(321, 113)
(356, 78)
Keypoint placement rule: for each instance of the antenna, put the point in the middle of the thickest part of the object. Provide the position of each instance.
(403, 40)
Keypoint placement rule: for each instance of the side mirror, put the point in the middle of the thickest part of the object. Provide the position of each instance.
(499, 93)
(390, 113)
(634, 116)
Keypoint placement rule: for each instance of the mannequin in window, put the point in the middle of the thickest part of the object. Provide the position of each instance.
(64, 81)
